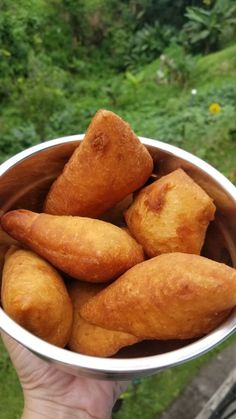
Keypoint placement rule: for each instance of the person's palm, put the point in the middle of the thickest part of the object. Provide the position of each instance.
(44, 383)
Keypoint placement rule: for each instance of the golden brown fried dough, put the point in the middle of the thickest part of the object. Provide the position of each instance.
(87, 338)
(171, 215)
(86, 249)
(35, 296)
(5, 242)
(172, 296)
(109, 164)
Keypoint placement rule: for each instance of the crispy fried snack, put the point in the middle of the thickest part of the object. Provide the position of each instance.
(172, 296)
(109, 164)
(35, 296)
(5, 242)
(86, 249)
(87, 338)
(171, 215)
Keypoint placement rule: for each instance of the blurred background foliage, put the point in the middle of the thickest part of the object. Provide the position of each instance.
(167, 67)
(61, 60)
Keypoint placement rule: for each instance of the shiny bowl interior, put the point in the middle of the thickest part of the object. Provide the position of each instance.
(24, 182)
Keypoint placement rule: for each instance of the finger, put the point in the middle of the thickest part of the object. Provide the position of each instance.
(119, 388)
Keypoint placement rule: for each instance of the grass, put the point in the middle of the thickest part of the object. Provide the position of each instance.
(167, 112)
(218, 66)
(11, 401)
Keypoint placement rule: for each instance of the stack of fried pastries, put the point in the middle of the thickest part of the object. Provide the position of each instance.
(75, 280)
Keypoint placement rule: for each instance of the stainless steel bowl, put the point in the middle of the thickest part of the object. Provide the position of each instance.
(24, 182)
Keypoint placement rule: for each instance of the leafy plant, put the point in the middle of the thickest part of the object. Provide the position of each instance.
(176, 66)
(17, 138)
(135, 80)
(41, 94)
(207, 28)
(148, 43)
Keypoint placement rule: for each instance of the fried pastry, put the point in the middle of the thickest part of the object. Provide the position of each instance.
(5, 242)
(108, 165)
(35, 296)
(171, 215)
(171, 296)
(86, 249)
(87, 338)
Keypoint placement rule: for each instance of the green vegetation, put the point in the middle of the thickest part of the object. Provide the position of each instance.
(168, 68)
(166, 110)
(209, 29)
(11, 401)
(62, 60)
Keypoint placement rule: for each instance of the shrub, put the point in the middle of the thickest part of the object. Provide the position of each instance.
(147, 44)
(17, 138)
(176, 66)
(207, 29)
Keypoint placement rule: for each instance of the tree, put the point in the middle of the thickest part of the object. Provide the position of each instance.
(207, 28)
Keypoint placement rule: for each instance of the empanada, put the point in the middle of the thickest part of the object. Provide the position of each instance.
(87, 338)
(171, 215)
(171, 296)
(108, 165)
(86, 249)
(35, 296)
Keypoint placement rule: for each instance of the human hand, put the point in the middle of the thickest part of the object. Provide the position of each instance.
(49, 392)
